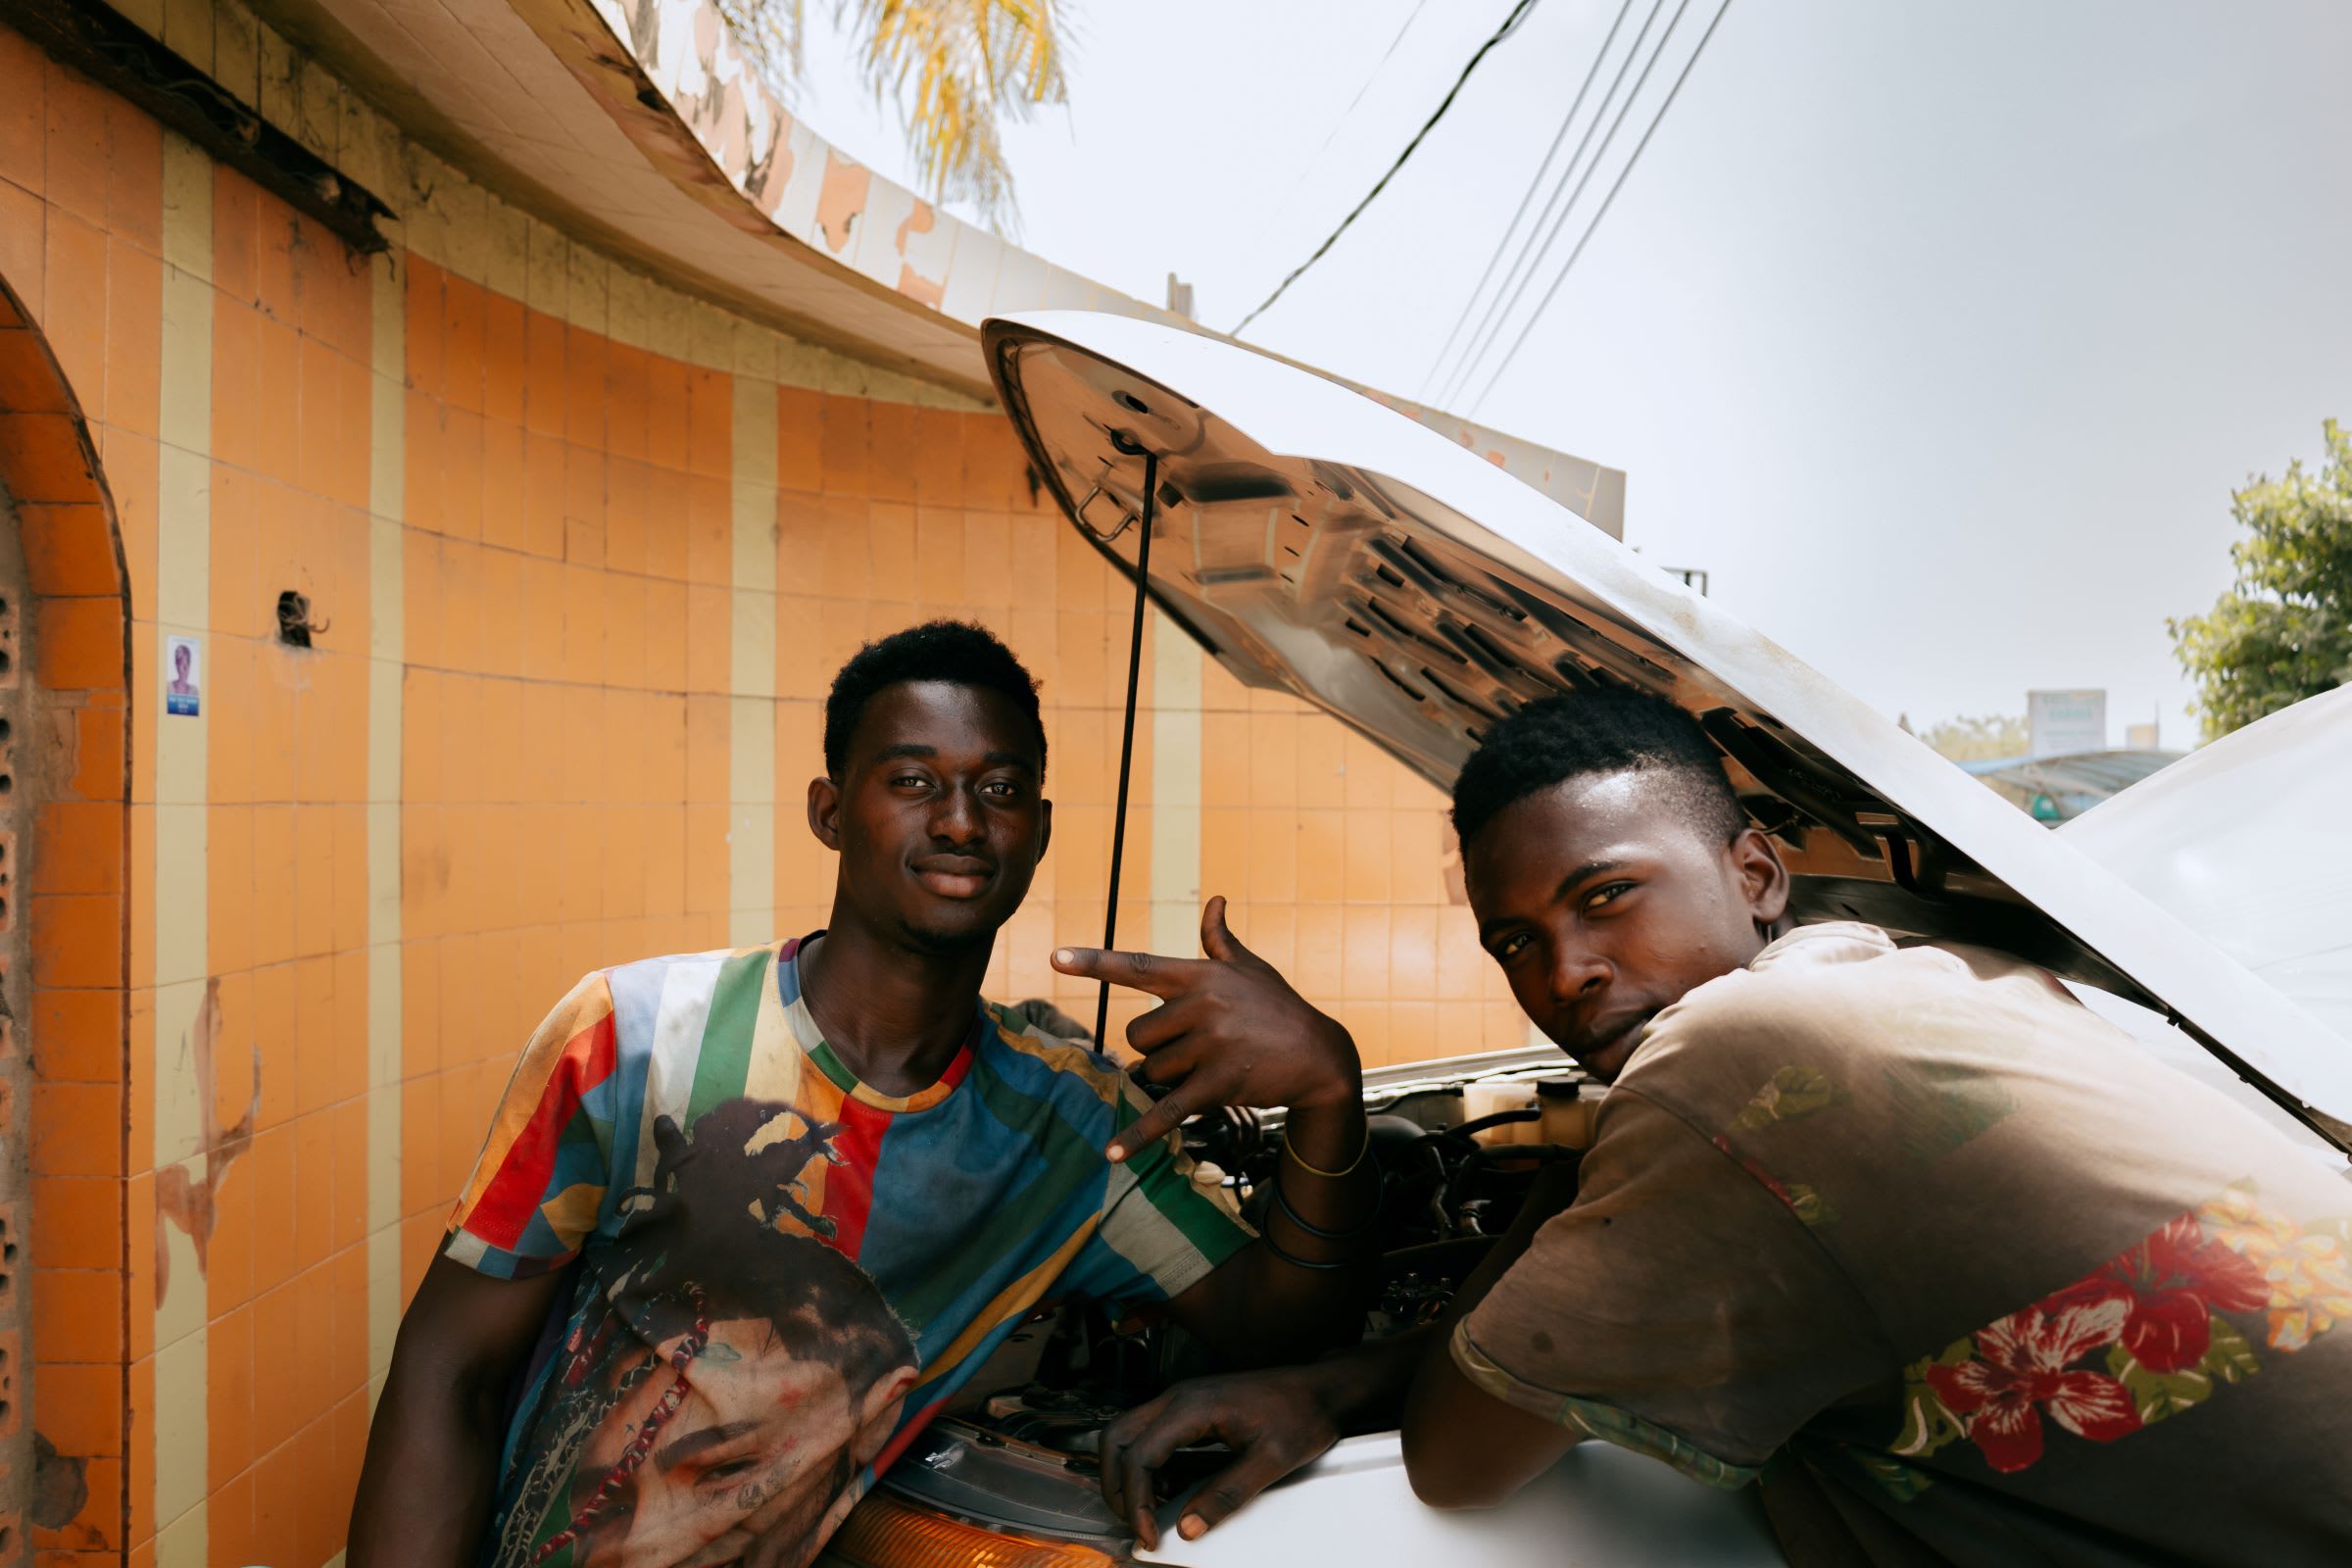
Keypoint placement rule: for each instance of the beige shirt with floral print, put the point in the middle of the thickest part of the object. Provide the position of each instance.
(1954, 1267)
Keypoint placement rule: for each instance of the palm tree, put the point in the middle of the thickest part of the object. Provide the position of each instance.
(955, 67)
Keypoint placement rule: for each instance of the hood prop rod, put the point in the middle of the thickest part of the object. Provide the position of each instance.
(1135, 663)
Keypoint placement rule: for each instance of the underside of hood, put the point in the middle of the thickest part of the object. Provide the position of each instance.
(1316, 543)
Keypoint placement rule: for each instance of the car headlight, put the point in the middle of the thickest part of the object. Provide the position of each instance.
(882, 1532)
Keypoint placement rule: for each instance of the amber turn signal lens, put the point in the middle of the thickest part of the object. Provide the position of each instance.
(882, 1532)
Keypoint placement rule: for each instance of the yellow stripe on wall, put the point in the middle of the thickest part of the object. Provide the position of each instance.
(1175, 789)
(386, 662)
(752, 731)
(182, 607)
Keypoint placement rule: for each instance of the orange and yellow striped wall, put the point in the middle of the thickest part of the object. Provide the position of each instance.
(578, 553)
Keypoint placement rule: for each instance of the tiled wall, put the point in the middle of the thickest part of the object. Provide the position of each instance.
(581, 556)
(286, 887)
(1341, 866)
(564, 759)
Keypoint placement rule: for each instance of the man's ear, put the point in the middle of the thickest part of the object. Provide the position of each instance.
(824, 812)
(878, 1415)
(1045, 827)
(1763, 878)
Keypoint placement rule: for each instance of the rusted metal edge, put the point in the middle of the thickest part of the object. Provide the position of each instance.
(113, 51)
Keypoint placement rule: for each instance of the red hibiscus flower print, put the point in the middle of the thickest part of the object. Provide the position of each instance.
(2022, 1371)
(2174, 1281)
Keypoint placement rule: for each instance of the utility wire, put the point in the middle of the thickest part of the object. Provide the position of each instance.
(1548, 294)
(1562, 199)
(1527, 200)
(1510, 23)
(1498, 311)
(1337, 124)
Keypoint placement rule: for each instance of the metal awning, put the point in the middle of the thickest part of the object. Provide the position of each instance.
(2073, 783)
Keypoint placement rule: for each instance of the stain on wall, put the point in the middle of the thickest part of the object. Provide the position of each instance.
(61, 1487)
(188, 1204)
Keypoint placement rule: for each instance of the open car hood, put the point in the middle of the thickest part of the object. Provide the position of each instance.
(1317, 543)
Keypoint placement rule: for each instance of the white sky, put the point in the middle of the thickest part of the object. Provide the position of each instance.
(1939, 334)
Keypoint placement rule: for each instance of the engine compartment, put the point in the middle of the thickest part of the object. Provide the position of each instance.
(1017, 1453)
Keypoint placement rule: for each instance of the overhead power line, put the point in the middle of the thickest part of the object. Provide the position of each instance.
(1535, 181)
(1569, 264)
(1509, 24)
(1498, 311)
(1338, 124)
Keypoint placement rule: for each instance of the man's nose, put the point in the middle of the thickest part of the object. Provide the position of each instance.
(958, 818)
(1577, 973)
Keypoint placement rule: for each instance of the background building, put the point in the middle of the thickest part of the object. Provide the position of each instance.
(516, 416)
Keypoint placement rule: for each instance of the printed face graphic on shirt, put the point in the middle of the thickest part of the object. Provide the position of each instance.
(757, 1446)
(751, 1376)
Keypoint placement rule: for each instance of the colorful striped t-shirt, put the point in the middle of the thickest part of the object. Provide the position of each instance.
(781, 1273)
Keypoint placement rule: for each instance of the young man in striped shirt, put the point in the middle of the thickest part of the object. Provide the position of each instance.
(746, 1220)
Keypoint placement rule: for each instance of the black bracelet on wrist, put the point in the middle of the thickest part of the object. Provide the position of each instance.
(1282, 1200)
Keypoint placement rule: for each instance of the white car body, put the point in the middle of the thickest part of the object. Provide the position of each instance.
(2247, 842)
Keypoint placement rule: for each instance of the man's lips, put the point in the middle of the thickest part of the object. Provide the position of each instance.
(1604, 1049)
(954, 876)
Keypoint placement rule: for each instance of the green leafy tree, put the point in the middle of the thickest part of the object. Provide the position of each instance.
(955, 68)
(2283, 630)
(1977, 740)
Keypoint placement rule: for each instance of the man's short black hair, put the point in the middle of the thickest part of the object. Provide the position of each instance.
(954, 651)
(820, 1304)
(1607, 731)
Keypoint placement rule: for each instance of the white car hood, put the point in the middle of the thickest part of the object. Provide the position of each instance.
(1317, 543)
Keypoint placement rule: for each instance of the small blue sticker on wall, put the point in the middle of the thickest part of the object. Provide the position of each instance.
(183, 676)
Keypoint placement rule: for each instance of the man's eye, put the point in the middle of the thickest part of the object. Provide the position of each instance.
(1608, 894)
(908, 781)
(1002, 789)
(615, 1515)
(727, 1470)
(1512, 947)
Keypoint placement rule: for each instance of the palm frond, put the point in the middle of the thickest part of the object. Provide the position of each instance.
(770, 33)
(955, 68)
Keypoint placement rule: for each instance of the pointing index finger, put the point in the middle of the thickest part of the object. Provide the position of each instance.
(1167, 1114)
(1162, 977)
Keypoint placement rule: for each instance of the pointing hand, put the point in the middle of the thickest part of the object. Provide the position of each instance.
(1229, 1031)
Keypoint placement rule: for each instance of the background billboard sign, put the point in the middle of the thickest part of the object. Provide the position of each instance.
(2058, 723)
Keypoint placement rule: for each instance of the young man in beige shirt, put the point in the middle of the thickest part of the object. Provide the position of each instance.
(1900, 1231)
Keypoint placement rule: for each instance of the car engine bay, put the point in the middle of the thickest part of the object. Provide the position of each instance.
(1460, 1150)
